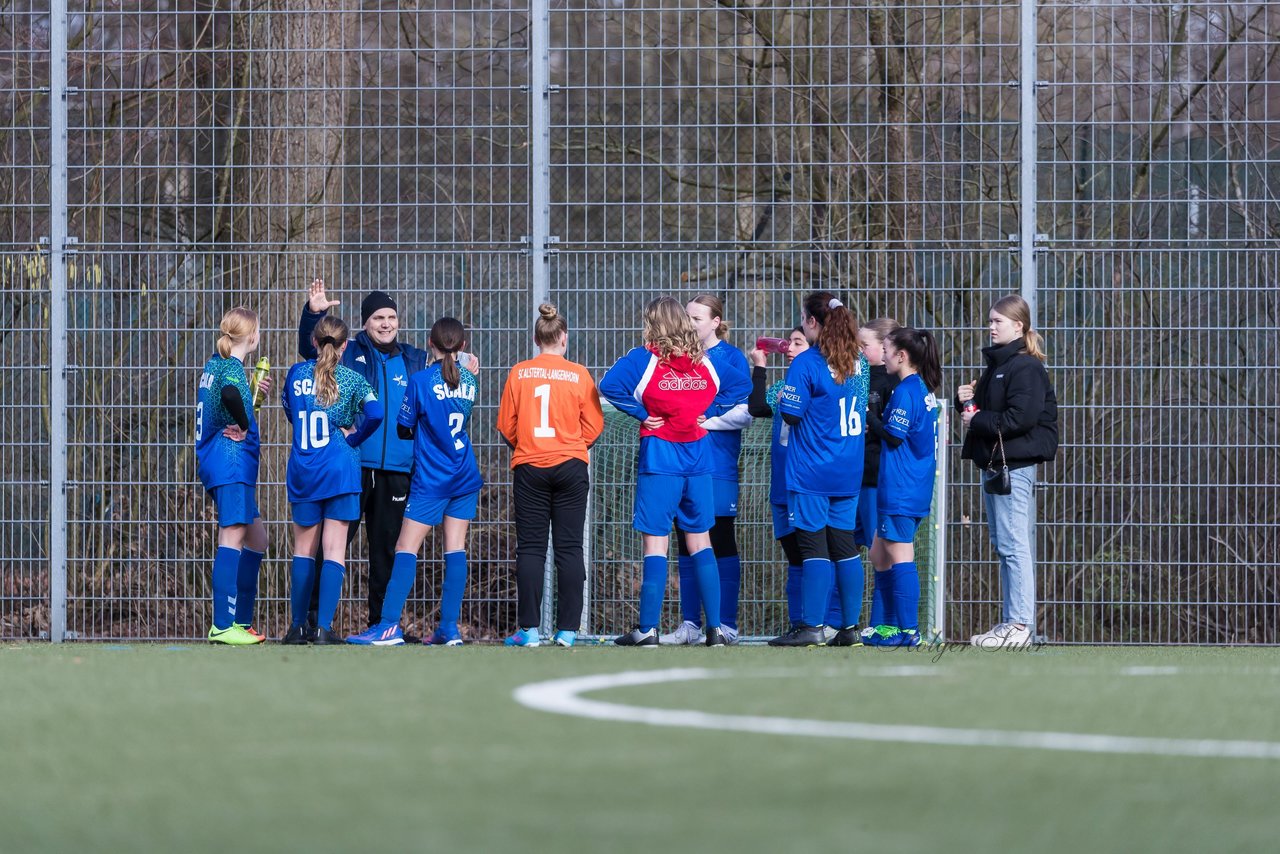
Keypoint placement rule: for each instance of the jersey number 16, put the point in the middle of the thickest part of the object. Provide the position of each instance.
(850, 421)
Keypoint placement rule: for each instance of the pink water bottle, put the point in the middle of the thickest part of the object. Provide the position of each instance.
(773, 345)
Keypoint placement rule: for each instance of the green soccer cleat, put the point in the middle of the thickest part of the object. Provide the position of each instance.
(233, 636)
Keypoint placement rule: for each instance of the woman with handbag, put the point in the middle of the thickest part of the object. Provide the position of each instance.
(1011, 424)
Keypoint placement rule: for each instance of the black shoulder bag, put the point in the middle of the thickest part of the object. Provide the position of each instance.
(995, 481)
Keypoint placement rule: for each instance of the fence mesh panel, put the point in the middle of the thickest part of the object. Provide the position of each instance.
(222, 153)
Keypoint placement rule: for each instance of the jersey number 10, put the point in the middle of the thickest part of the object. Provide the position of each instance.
(850, 421)
(315, 430)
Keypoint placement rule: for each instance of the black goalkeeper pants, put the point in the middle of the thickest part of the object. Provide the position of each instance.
(553, 498)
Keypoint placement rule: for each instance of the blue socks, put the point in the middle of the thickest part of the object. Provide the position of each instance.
(882, 611)
(835, 613)
(403, 569)
(815, 589)
(247, 585)
(330, 591)
(225, 569)
(653, 584)
(708, 572)
(690, 599)
(795, 606)
(906, 595)
(730, 569)
(849, 582)
(301, 576)
(455, 584)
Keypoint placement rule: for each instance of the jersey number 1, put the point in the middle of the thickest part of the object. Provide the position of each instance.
(545, 430)
(850, 421)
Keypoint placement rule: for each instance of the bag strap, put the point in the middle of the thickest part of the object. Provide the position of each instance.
(1000, 444)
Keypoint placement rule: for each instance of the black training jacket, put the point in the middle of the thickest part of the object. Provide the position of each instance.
(1014, 396)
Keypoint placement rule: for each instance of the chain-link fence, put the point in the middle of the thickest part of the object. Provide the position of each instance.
(1115, 162)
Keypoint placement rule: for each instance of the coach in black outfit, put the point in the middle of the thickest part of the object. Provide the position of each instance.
(386, 459)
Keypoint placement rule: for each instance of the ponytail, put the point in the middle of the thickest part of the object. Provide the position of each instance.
(838, 335)
(330, 334)
(922, 351)
(237, 325)
(715, 305)
(448, 337)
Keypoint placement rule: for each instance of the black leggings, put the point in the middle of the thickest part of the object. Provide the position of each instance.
(556, 498)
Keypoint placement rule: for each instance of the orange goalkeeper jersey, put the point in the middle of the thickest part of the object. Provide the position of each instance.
(550, 411)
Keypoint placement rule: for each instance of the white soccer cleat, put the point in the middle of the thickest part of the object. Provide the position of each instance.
(828, 633)
(685, 635)
(1003, 636)
(730, 635)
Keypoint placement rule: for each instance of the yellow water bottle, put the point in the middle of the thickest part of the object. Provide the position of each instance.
(260, 372)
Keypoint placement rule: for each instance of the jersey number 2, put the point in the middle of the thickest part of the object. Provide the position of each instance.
(545, 430)
(456, 420)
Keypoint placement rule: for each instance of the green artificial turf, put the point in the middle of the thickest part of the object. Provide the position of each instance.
(191, 748)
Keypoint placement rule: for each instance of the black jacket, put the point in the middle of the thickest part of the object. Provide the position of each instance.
(882, 385)
(1015, 397)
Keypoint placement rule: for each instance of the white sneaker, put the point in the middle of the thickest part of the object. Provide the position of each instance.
(1003, 636)
(730, 635)
(686, 634)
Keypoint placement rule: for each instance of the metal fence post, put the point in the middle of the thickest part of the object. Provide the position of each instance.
(940, 520)
(58, 321)
(1028, 117)
(540, 207)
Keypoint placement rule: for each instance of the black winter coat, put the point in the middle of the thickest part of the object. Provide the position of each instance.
(882, 385)
(1015, 397)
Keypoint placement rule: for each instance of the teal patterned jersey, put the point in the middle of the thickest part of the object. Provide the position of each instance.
(220, 460)
(321, 463)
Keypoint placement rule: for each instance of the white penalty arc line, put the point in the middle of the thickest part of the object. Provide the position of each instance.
(564, 697)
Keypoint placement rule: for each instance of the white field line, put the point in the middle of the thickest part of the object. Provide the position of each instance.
(563, 697)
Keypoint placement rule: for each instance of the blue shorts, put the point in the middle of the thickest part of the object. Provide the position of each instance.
(236, 504)
(814, 512)
(898, 529)
(342, 508)
(865, 531)
(726, 496)
(431, 511)
(781, 524)
(660, 498)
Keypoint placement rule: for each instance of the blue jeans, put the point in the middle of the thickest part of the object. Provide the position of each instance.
(1012, 525)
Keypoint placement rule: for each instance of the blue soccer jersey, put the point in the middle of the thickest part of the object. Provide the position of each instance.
(444, 464)
(728, 415)
(220, 460)
(824, 450)
(778, 440)
(321, 462)
(907, 471)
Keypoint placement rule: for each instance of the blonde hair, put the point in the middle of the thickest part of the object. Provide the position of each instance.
(237, 325)
(330, 334)
(549, 326)
(1016, 309)
(881, 327)
(668, 329)
(715, 305)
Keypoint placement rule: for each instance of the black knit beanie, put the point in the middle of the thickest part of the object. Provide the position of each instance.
(375, 301)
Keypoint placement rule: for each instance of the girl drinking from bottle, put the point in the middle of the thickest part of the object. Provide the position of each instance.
(908, 463)
(323, 399)
(724, 420)
(667, 385)
(824, 401)
(227, 458)
(763, 403)
(443, 491)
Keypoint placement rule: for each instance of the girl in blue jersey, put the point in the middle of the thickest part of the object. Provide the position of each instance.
(227, 457)
(908, 463)
(763, 403)
(444, 489)
(667, 385)
(724, 422)
(872, 336)
(321, 398)
(824, 401)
